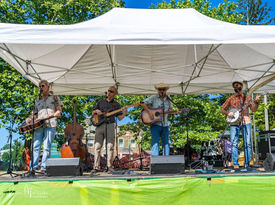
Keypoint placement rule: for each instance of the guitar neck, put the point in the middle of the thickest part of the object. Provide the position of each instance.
(175, 112)
(116, 111)
(247, 104)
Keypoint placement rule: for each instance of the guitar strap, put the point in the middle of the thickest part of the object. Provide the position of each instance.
(56, 103)
(173, 102)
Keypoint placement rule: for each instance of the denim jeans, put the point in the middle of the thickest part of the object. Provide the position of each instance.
(234, 137)
(156, 133)
(40, 134)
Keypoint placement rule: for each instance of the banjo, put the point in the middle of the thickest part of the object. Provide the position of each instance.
(236, 118)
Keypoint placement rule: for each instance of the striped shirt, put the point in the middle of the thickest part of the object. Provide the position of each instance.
(234, 102)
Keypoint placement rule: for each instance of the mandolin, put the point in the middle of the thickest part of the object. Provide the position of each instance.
(37, 123)
(99, 119)
(157, 112)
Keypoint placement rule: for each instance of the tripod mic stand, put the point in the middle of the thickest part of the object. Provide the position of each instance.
(9, 171)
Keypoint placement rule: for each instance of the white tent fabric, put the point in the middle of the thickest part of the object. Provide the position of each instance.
(136, 49)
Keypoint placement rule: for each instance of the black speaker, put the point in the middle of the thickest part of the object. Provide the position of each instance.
(64, 167)
(172, 164)
(268, 163)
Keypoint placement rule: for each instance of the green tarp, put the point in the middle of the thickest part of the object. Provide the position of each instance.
(183, 190)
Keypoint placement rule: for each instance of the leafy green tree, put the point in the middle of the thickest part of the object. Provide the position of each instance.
(16, 154)
(226, 11)
(255, 12)
(17, 92)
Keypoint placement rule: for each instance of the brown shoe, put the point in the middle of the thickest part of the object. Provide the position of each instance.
(95, 171)
(110, 171)
(236, 167)
(42, 171)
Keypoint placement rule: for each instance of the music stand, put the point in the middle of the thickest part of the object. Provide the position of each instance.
(9, 171)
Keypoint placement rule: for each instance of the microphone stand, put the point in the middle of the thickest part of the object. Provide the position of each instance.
(116, 158)
(31, 172)
(163, 127)
(9, 171)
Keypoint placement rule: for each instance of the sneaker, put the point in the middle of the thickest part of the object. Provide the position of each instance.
(236, 167)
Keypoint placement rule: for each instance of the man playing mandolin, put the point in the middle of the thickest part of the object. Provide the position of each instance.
(47, 106)
(158, 129)
(243, 124)
(103, 107)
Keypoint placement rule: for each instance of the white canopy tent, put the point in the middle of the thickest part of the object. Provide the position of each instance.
(135, 49)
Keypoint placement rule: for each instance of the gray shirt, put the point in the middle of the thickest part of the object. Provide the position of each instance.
(44, 107)
(156, 102)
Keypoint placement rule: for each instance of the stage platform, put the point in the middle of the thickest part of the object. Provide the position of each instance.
(139, 187)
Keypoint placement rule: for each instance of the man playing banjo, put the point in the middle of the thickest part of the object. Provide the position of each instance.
(242, 124)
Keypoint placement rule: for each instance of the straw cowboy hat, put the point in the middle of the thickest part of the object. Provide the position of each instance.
(162, 85)
(237, 82)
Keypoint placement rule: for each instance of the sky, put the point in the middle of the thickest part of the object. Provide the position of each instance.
(144, 4)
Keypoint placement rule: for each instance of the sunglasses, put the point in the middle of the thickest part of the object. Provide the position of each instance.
(41, 86)
(111, 91)
(236, 85)
(162, 89)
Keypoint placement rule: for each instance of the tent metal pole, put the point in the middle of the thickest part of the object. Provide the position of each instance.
(266, 114)
(255, 139)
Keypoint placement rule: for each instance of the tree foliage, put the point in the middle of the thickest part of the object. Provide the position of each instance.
(255, 12)
(17, 92)
(226, 11)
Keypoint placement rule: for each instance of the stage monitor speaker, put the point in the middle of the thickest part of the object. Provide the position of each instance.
(172, 164)
(268, 163)
(64, 167)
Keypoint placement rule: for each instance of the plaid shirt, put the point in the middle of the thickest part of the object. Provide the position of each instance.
(234, 102)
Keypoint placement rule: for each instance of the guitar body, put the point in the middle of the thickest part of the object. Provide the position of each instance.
(157, 112)
(97, 119)
(234, 120)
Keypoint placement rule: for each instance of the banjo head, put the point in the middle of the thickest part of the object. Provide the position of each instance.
(235, 118)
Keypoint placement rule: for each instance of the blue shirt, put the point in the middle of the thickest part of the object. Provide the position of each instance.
(156, 102)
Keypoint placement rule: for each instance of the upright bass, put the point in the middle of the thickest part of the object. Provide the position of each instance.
(74, 146)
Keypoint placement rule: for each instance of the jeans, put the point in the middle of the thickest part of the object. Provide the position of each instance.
(40, 134)
(234, 137)
(156, 133)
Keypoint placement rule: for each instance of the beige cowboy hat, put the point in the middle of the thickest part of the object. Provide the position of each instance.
(162, 85)
(237, 82)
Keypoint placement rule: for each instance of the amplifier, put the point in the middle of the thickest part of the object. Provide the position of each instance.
(64, 167)
(172, 164)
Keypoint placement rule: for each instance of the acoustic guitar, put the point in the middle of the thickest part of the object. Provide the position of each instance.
(37, 123)
(99, 119)
(157, 112)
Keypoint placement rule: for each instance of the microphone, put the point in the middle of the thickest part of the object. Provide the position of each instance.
(40, 93)
(106, 94)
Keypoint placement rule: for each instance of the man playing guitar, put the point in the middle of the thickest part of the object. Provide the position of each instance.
(158, 130)
(49, 106)
(103, 107)
(243, 125)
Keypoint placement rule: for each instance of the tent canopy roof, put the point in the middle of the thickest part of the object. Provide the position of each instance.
(136, 49)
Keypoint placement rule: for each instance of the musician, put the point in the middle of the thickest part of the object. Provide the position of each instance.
(157, 130)
(47, 105)
(102, 107)
(235, 101)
